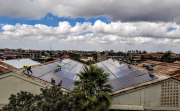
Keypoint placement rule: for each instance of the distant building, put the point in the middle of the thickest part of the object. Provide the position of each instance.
(87, 58)
(6, 49)
(116, 57)
(106, 52)
(31, 55)
(1, 54)
(11, 54)
(138, 56)
(101, 57)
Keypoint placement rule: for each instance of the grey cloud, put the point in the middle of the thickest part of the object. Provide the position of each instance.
(123, 10)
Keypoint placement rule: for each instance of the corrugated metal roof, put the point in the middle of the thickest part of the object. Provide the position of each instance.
(5, 67)
(176, 62)
(165, 68)
(152, 54)
(164, 64)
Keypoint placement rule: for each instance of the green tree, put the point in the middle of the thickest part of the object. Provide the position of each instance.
(51, 99)
(42, 53)
(54, 99)
(91, 92)
(19, 56)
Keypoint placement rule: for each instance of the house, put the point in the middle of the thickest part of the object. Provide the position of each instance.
(133, 88)
(116, 57)
(87, 58)
(31, 55)
(11, 54)
(1, 54)
(156, 55)
(101, 57)
(138, 57)
(176, 62)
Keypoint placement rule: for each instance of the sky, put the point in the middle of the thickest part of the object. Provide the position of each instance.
(119, 25)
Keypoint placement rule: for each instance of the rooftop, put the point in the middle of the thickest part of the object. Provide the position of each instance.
(122, 78)
(5, 67)
(19, 63)
(152, 54)
(169, 69)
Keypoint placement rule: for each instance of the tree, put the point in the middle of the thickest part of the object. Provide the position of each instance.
(144, 52)
(19, 56)
(103, 52)
(51, 99)
(54, 99)
(51, 53)
(42, 53)
(136, 51)
(91, 93)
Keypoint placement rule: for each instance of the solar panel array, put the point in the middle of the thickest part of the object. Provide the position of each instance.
(120, 75)
(19, 63)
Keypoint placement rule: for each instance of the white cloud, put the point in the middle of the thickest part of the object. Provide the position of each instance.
(133, 34)
(106, 33)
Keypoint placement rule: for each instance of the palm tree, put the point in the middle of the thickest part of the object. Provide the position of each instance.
(91, 92)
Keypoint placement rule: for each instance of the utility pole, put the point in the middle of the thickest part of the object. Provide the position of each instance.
(50, 47)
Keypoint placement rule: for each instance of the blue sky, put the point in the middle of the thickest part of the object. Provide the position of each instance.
(49, 20)
(90, 25)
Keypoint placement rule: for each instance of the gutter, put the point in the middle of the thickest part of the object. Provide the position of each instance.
(127, 107)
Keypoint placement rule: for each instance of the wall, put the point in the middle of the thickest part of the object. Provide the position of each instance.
(148, 97)
(11, 83)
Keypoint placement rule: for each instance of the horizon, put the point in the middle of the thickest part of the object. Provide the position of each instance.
(91, 50)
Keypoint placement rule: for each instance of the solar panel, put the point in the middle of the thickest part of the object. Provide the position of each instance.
(72, 64)
(146, 78)
(70, 76)
(126, 69)
(120, 76)
(56, 76)
(115, 63)
(119, 73)
(109, 66)
(137, 73)
(61, 63)
(129, 80)
(116, 84)
(40, 71)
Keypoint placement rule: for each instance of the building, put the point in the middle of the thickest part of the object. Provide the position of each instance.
(1, 54)
(158, 96)
(176, 62)
(116, 57)
(101, 57)
(87, 58)
(133, 88)
(170, 69)
(11, 54)
(13, 81)
(138, 57)
(31, 55)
